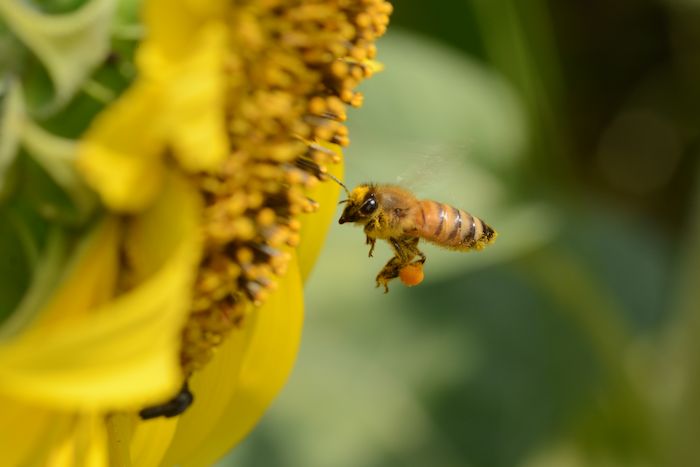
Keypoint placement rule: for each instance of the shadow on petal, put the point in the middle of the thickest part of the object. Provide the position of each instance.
(248, 371)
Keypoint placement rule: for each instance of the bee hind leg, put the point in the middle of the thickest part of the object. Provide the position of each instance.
(405, 249)
(389, 271)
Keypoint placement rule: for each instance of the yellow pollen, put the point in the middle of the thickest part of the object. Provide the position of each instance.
(339, 69)
(266, 217)
(295, 225)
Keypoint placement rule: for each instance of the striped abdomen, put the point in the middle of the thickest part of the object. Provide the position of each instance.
(450, 227)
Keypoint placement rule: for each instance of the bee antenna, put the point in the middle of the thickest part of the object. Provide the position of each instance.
(339, 183)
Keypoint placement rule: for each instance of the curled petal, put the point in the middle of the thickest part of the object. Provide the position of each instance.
(197, 91)
(120, 156)
(133, 340)
(185, 53)
(173, 23)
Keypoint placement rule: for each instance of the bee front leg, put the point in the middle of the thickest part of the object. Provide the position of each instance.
(371, 242)
(370, 228)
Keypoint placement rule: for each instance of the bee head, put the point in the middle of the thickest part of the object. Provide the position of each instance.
(360, 205)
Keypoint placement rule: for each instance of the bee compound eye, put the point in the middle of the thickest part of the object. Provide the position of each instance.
(369, 206)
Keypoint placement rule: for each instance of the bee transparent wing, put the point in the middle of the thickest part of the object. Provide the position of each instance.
(426, 167)
(446, 172)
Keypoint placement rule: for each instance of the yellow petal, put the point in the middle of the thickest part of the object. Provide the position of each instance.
(212, 388)
(33, 436)
(151, 440)
(240, 382)
(119, 428)
(172, 23)
(133, 341)
(133, 441)
(89, 281)
(314, 226)
(85, 444)
(185, 52)
(177, 102)
(25, 431)
(197, 103)
(120, 155)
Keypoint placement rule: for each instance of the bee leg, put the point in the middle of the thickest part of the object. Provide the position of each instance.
(371, 242)
(405, 249)
(411, 247)
(370, 239)
(389, 271)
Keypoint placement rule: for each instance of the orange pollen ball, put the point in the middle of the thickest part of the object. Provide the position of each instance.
(411, 274)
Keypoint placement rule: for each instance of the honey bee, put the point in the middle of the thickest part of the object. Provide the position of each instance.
(394, 214)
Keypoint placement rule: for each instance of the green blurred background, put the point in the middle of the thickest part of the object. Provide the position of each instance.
(572, 128)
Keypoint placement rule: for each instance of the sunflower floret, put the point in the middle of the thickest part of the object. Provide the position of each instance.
(291, 72)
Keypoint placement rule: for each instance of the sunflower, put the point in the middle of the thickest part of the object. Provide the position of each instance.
(199, 196)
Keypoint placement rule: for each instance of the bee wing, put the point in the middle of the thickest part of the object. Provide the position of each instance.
(429, 167)
(446, 172)
(420, 168)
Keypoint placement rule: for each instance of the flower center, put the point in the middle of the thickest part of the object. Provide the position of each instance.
(291, 72)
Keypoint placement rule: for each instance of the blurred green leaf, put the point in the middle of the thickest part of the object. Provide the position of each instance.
(680, 364)
(16, 266)
(617, 421)
(57, 6)
(47, 271)
(629, 259)
(49, 199)
(54, 185)
(112, 77)
(56, 157)
(433, 98)
(11, 118)
(70, 45)
(519, 40)
(11, 55)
